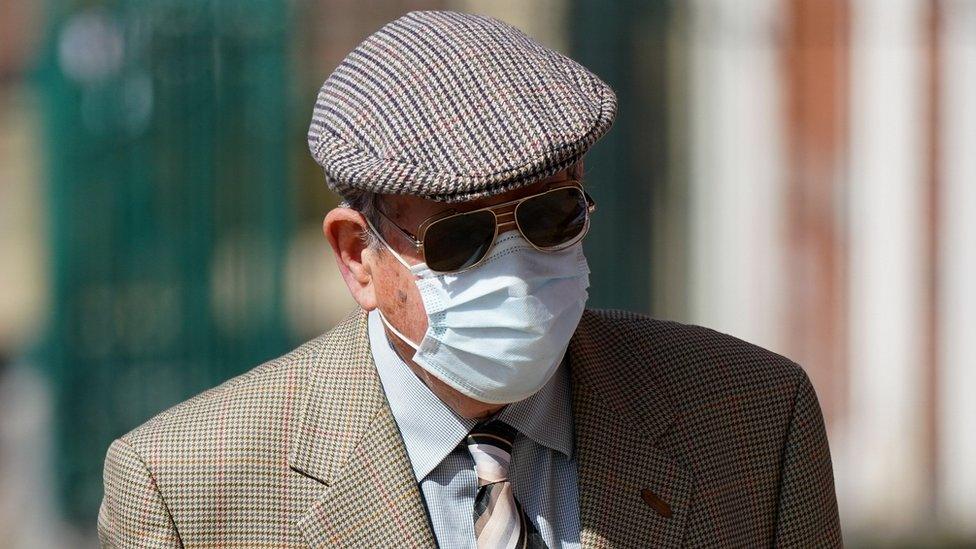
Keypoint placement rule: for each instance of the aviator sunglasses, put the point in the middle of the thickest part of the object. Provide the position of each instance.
(551, 220)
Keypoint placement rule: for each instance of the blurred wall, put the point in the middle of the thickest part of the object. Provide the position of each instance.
(830, 223)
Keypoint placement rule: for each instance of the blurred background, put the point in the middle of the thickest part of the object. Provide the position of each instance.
(798, 173)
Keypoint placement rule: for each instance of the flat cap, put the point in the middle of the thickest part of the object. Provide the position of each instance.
(451, 107)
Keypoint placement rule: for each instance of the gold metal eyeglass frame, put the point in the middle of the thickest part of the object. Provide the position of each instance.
(505, 216)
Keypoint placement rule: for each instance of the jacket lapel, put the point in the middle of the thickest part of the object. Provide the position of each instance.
(632, 493)
(346, 439)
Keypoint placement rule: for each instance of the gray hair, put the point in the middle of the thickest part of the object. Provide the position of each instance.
(364, 202)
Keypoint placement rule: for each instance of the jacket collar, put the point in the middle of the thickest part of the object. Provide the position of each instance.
(609, 367)
(632, 492)
(346, 438)
(340, 398)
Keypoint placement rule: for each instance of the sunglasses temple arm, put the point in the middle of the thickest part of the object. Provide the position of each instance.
(387, 244)
(413, 239)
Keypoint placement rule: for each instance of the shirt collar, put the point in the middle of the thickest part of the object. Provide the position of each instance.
(431, 430)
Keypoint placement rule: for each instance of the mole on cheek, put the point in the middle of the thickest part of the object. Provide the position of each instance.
(402, 296)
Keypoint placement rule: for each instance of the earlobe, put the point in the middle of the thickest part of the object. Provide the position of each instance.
(343, 228)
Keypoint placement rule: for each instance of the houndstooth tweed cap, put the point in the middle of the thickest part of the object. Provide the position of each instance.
(451, 107)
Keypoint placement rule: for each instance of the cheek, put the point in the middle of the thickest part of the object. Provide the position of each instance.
(399, 299)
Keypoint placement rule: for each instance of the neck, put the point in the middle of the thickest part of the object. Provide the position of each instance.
(461, 404)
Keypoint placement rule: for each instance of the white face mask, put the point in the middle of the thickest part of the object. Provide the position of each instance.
(498, 332)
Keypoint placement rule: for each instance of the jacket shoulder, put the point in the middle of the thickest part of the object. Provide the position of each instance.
(747, 427)
(256, 395)
(210, 462)
(683, 353)
(260, 401)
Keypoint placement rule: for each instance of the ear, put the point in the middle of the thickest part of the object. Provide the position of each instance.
(343, 228)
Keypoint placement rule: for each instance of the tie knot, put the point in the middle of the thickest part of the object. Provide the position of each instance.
(490, 445)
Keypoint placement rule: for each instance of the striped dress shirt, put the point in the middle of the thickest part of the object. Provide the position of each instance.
(543, 468)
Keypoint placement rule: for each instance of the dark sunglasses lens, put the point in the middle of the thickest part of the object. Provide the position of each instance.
(458, 242)
(553, 218)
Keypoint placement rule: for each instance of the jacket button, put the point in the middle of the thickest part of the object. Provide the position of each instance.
(656, 503)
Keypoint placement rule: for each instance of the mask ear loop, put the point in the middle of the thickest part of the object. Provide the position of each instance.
(396, 332)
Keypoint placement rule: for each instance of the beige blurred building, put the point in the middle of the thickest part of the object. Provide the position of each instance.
(833, 214)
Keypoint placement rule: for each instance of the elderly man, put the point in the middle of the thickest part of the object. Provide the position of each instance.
(472, 401)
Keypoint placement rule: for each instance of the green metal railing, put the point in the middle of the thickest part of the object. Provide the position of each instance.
(166, 127)
(625, 43)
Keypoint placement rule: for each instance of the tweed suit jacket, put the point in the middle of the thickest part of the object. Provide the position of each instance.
(684, 437)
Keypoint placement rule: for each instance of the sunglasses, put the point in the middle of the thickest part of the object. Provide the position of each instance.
(552, 220)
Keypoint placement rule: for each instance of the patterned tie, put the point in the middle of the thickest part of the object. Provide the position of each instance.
(499, 520)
